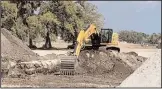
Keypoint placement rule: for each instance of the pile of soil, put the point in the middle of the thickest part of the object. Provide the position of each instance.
(14, 51)
(147, 75)
(93, 62)
(14, 48)
(120, 65)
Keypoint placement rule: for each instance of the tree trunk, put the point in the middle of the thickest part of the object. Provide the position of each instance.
(30, 42)
(47, 44)
(48, 41)
(75, 35)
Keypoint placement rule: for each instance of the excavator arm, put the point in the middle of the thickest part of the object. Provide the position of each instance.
(68, 62)
(82, 37)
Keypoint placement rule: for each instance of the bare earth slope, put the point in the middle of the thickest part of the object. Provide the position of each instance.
(14, 51)
(148, 75)
(14, 48)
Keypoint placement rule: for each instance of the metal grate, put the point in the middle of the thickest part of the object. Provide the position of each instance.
(67, 65)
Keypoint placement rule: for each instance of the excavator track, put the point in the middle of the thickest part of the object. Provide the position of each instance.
(68, 65)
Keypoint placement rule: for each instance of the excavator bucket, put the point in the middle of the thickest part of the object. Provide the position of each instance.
(68, 65)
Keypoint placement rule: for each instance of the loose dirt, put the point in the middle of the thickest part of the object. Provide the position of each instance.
(119, 65)
(14, 48)
(14, 51)
(108, 70)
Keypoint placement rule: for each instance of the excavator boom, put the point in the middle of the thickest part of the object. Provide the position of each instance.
(68, 63)
(83, 37)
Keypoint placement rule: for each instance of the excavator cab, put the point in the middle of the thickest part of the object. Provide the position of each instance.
(102, 39)
(106, 35)
(109, 39)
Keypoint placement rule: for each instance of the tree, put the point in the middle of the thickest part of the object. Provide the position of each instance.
(35, 28)
(19, 30)
(73, 17)
(154, 38)
(48, 20)
(11, 20)
(9, 14)
(139, 37)
(26, 13)
(91, 15)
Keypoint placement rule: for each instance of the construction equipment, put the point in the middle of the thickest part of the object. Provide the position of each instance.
(90, 39)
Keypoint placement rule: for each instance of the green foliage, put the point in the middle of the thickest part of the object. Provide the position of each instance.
(49, 21)
(69, 27)
(9, 9)
(154, 38)
(35, 27)
(91, 15)
(49, 17)
(53, 37)
(33, 21)
(139, 37)
(57, 17)
(9, 14)
(19, 29)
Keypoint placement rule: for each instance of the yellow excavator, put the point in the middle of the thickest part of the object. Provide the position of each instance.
(89, 39)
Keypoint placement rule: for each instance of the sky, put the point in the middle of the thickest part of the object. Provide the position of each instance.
(141, 16)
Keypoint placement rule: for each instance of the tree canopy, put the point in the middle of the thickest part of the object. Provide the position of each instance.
(33, 19)
(139, 37)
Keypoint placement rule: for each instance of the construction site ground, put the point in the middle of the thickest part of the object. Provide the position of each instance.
(72, 81)
(112, 79)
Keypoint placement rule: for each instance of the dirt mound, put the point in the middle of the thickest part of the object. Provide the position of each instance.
(120, 65)
(147, 75)
(94, 62)
(132, 53)
(14, 51)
